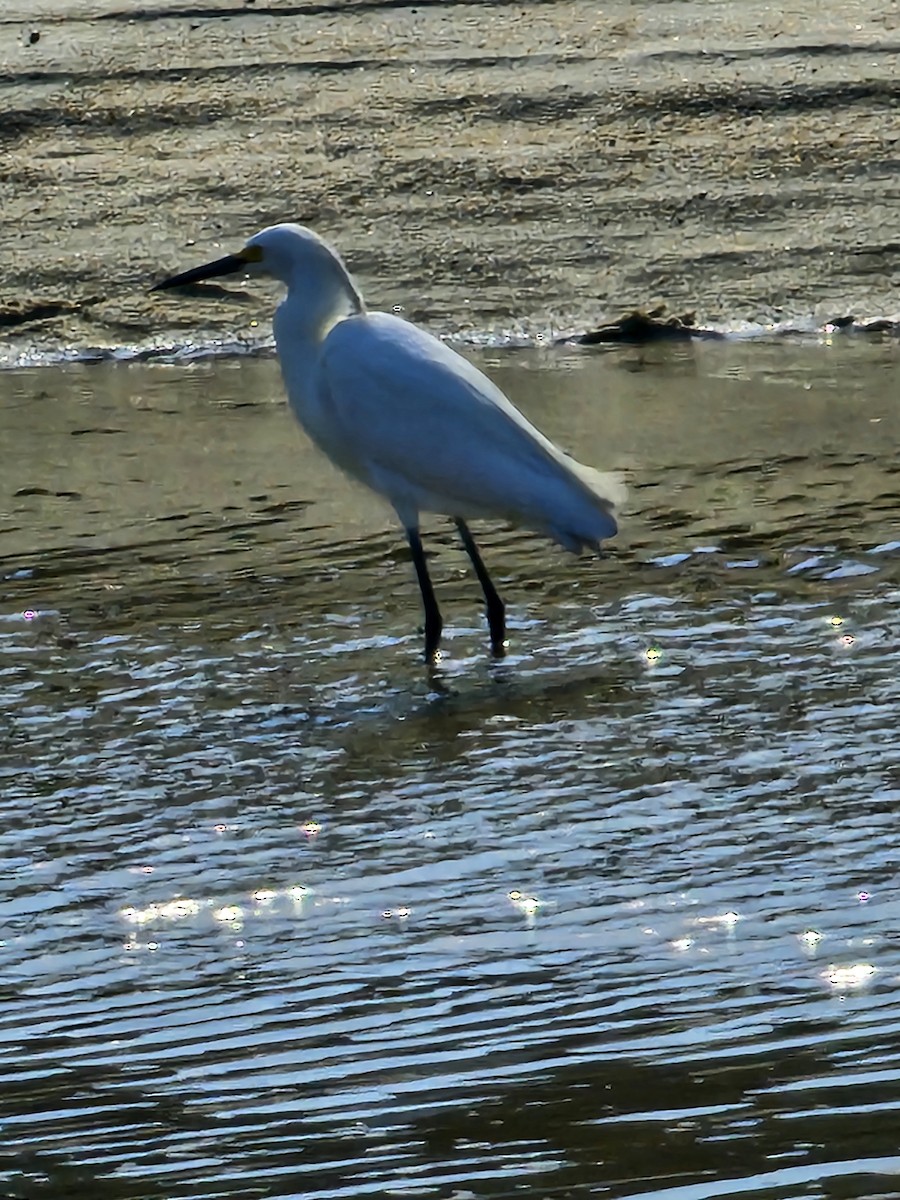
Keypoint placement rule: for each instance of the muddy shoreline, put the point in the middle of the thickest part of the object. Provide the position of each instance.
(483, 167)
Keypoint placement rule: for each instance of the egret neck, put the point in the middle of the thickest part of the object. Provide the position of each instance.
(314, 304)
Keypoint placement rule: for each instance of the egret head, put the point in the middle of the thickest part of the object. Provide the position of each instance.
(292, 254)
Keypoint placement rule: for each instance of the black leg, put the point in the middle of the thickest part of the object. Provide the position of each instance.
(496, 613)
(433, 622)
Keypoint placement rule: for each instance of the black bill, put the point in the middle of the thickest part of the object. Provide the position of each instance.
(228, 265)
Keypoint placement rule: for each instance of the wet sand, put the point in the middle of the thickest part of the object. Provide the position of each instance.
(486, 167)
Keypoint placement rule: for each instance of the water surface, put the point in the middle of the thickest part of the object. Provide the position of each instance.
(283, 915)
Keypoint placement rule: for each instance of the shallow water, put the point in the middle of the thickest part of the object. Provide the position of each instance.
(282, 915)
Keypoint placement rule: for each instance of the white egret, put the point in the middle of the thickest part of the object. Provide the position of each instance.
(397, 409)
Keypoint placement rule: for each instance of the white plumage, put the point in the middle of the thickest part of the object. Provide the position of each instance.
(413, 420)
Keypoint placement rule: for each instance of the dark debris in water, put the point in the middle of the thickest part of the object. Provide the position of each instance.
(850, 324)
(639, 327)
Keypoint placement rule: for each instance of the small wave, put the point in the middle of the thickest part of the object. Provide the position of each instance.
(166, 353)
(619, 332)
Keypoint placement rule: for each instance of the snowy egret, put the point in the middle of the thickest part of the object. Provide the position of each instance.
(400, 411)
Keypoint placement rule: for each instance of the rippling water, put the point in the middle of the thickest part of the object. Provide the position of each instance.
(282, 915)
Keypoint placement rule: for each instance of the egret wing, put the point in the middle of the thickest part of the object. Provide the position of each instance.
(422, 425)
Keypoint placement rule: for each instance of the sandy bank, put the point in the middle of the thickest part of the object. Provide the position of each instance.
(482, 165)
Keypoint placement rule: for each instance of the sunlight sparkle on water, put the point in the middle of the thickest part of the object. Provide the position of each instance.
(528, 905)
(182, 908)
(849, 978)
(726, 920)
(399, 914)
(229, 914)
(172, 910)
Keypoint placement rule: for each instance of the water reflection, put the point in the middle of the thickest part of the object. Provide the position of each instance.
(285, 916)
